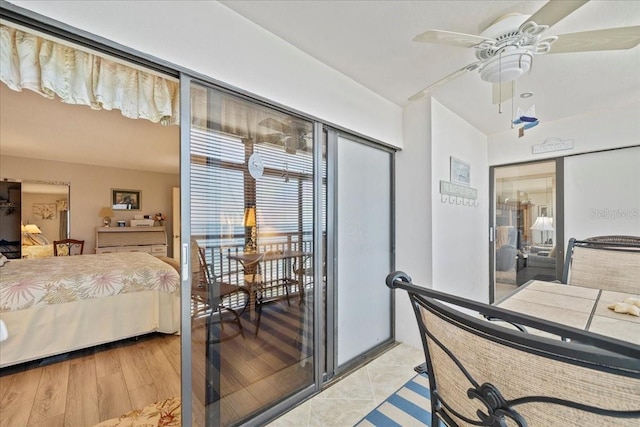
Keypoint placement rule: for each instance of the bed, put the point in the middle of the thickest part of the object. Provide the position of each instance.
(42, 251)
(36, 246)
(55, 305)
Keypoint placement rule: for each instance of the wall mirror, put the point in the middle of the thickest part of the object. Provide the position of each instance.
(32, 215)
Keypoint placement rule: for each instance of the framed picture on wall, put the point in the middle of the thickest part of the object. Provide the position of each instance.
(460, 172)
(125, 200)
(543, 210)
(44, 210)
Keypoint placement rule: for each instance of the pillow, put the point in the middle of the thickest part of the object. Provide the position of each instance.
(552, 254)
(42, 239)
(29, 239)
(3, 260)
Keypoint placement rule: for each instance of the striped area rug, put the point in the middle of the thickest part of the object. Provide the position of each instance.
(407, 407)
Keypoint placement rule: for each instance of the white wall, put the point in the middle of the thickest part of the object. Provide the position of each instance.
(413, 213)
(209, 38)
(439, 245)
(460, 233)
(597, 131)
(602, 194)
(90, 190)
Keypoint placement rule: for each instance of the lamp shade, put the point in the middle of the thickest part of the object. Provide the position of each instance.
(32, 228)
(543, 223)
(249, 217)
(106, 212)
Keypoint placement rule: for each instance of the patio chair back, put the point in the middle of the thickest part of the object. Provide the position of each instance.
(483, 373)
(605, 262)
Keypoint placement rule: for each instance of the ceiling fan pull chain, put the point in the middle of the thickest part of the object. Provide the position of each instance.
(513, 94)
(500, 83)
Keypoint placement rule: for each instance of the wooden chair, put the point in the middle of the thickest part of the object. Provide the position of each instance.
(482, 373)
(68, 247)
(604, 262)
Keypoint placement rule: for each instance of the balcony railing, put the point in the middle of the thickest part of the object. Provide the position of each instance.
(281, 276)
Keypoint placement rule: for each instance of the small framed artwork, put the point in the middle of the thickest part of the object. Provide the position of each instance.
(460, 172)
(543, 210)
(44, 210)
(125, 200)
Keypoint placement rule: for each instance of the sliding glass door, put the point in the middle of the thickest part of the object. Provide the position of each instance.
(285, 237)
(363, 246)
(251, 245)
(525, 225)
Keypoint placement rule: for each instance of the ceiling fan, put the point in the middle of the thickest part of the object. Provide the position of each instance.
(505, 50)
(292, 137)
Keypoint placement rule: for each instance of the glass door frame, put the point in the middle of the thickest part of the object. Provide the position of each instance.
(186, 82)
(333, 368)
(558, 215)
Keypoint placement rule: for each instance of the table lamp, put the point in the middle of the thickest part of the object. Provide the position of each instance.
(250, 221)
(542, 224)
(32, 229)
(106, 213)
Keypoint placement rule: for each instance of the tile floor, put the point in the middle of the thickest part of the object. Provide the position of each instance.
(350, 399)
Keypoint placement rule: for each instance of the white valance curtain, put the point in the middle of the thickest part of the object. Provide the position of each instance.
(49, 68)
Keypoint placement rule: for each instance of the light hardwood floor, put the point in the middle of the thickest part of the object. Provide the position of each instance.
(92, 385)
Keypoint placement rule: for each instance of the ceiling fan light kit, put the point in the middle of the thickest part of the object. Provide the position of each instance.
(511, 64)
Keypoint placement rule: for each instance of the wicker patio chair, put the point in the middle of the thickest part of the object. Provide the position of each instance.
(482, 373)
(604, 262)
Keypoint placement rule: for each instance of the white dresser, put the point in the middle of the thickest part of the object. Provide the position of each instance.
(152, 240)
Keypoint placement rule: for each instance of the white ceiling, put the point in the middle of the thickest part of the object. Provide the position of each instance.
(371, 42)
(33, 126)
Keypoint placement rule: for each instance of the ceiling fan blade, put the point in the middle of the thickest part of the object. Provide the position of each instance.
(275, 125)
(444, 80)
(501, 94)
(450, 38)
(607, 39)
(554, 11)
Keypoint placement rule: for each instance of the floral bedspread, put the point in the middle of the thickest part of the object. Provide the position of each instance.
(26, 283)
(166, 413)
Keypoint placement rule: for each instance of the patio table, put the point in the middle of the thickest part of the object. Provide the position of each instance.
(583, 308)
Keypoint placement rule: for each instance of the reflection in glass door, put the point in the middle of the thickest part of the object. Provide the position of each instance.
(524, 225)
(251, 249)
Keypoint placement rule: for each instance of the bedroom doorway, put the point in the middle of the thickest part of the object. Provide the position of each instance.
(249, 192)
(87, 153)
